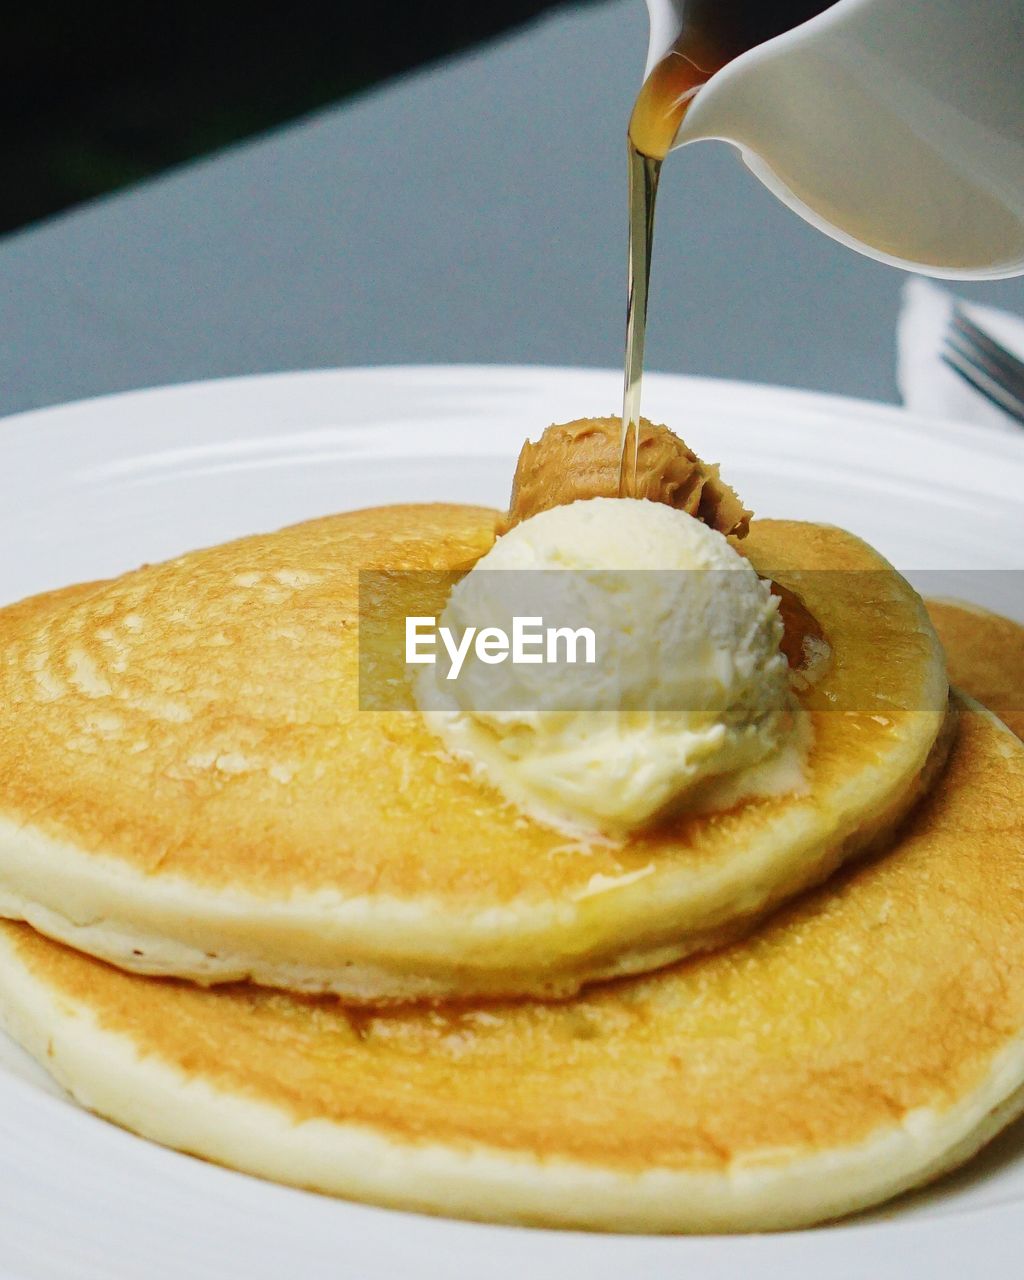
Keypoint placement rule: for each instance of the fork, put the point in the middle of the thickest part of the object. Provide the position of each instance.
(986, 364)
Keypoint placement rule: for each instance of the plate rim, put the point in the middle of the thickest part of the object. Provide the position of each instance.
(779, 396)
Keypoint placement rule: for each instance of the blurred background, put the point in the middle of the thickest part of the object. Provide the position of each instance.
(96, 97)
(195, 191)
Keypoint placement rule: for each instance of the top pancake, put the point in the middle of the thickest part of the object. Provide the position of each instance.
(190, 787)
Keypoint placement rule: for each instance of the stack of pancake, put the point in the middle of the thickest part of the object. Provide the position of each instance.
(249, 920)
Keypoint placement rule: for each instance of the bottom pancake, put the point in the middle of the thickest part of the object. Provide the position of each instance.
(867, 1039)
(985, 656)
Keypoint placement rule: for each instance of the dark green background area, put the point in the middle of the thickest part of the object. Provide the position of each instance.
(93, 97)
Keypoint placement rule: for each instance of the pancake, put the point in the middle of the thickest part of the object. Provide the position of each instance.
(189, 786)
(866, 1039)
(985, 657)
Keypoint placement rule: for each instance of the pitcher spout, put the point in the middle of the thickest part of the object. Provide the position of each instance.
(896, 129)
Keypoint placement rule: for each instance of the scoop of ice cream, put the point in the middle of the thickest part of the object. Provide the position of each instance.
(578, 460)
(689, 690)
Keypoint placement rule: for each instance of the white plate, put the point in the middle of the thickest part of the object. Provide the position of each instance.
(94, 488)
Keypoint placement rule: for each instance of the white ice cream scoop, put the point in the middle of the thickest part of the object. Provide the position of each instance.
(687, 686)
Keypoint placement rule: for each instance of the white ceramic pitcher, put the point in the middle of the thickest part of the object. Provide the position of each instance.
(895, 126)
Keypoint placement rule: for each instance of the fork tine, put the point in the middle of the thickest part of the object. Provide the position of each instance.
(982, 381)
(1002, 359)
(980, 360)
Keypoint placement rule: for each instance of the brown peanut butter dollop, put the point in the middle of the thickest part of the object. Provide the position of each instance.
(580, 459)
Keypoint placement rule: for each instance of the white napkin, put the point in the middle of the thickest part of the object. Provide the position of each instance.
(926, 384)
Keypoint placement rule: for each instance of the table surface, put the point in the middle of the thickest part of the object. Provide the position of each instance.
(474, 211)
